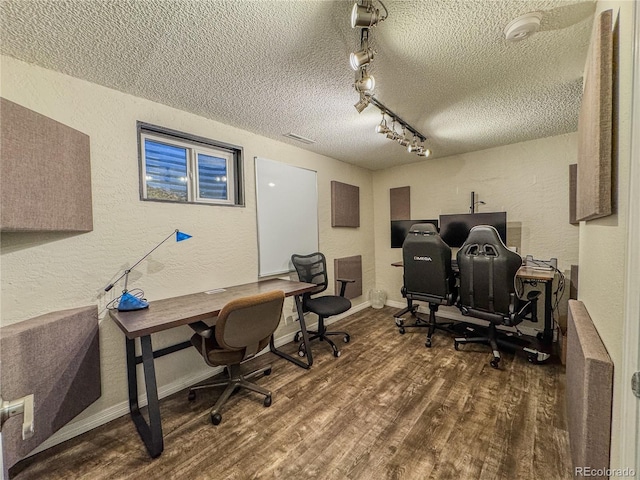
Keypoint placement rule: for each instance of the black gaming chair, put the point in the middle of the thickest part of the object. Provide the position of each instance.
(487, 288)
(428, 277)
(312, 268)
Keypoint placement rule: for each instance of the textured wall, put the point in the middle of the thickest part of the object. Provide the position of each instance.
(46, 272)
(603, 255)
(529, 180)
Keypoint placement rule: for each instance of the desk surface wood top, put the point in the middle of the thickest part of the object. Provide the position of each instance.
(173, 312)
(532, 273)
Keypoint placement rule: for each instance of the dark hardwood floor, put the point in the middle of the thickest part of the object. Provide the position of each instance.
(388, 408)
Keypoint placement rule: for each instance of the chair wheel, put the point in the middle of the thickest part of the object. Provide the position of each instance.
(428, 343)
(216, 418)
(347, 338)
(267, 372)
(296, 338)
(399, 322)
(494, 363)
(533, 359)
(456, 345)
(192, 395)
(267, 401)
(336, 353)
(401, 330)
(302, 353)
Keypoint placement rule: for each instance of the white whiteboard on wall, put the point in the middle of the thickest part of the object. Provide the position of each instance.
(287, 210)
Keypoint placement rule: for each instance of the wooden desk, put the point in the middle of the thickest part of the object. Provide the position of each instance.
(534, 275)
(174, 312)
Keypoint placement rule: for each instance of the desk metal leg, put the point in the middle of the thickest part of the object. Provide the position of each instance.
(151, 433)
(547, 334)
(305, 339)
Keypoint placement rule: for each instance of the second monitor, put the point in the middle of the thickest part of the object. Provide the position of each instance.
(454, 229)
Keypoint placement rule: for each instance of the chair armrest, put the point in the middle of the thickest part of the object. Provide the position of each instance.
(202, 329)
(344, 282)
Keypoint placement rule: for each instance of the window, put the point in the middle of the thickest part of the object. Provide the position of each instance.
(177, 167)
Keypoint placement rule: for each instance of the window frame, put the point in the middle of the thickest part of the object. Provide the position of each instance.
(194, 145)
(228, 157)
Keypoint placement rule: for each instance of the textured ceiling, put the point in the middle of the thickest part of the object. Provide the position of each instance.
(274, 67)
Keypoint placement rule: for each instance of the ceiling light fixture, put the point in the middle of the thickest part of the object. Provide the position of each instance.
(392, 134)
(424, 152)
(414, 146)
(362, 103)
(364, 56)
(382, 127)
(365, 83)
(364, 14)
(361, 58)
(403, 140)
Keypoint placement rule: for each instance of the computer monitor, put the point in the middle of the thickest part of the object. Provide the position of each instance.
(400, 229)
(454, 229)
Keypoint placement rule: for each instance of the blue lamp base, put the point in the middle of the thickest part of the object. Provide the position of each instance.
(130, 302)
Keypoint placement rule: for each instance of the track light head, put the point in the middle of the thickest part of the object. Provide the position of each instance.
(413, 146)
(365, 15)
(424, 152)
(361, 58)
(365, 83)
(382, 127)
(392, 134)
(362, 103)
(402, 139)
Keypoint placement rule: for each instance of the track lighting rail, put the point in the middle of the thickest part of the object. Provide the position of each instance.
(387, 111)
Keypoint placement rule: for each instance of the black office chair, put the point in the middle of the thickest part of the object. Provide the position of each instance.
(312, 268)
(243, 328)
(487, 289)
(428, 277)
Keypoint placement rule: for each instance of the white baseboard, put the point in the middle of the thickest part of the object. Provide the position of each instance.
(74, 429)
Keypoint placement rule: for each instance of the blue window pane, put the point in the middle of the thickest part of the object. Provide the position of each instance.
(166, 171)
(212, 173)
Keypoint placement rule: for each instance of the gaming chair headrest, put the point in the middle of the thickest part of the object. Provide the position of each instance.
(424, 228)
(483, 234)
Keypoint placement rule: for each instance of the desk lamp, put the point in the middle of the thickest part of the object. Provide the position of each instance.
(129, 301)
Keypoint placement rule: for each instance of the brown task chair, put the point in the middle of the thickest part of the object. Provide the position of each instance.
(243, 328)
